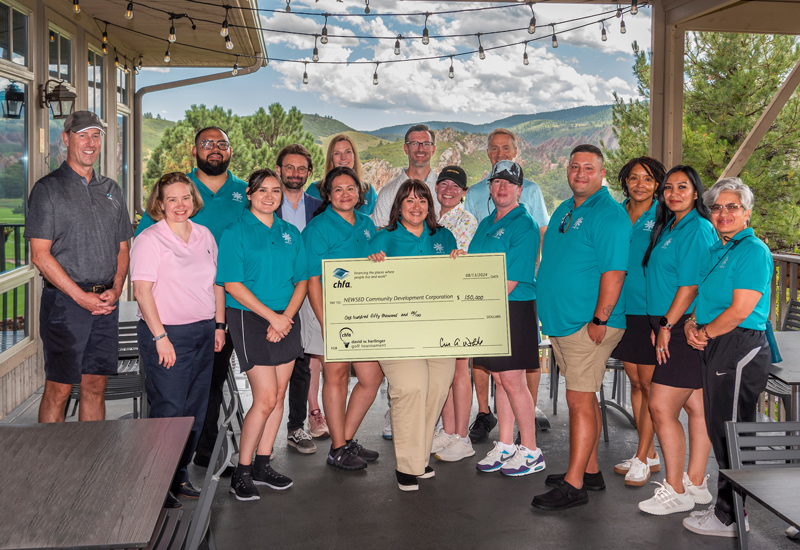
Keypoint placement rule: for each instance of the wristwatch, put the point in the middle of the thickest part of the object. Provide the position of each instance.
(222, 326)
(664, 322)
(598, 322)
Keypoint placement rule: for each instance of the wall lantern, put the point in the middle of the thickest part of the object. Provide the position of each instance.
(13, 102)
(60, 99)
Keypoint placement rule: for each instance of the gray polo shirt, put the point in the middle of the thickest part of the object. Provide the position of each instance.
(86, 223)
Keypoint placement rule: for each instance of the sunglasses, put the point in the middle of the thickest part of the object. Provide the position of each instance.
(565, 221)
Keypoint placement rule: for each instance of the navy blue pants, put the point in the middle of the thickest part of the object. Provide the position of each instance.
(182, 389)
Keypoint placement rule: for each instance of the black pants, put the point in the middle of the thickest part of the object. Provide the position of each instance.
(298, 393)
(719, 378)
(205, 445)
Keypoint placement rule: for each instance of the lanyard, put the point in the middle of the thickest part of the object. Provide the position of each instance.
(735, 244)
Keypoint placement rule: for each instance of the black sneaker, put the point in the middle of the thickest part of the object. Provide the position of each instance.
(591, 482)
(272, 479)
(242, 486)
(484, 423)
(406, 482)
(171, 502)
(186, 490)
(366, 454)
(429, 473)
(563, 496)
(346, 458)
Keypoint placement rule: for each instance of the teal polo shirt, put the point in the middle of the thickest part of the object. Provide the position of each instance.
(401, 242)
(748, 265)
(597, 240)
(635, 289)
(676, 261)
(329, 236)
(369, 197)
(219, 210)
(268, 261)
(517, 236)
(478, 201)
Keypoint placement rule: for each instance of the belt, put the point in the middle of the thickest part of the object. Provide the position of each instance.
(94, 289)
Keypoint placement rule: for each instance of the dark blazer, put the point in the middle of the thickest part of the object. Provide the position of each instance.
(311, 203)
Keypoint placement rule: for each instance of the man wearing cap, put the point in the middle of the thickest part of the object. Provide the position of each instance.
(419, 146)
(78, 229)
(501, 145)
(584, 261)
(224, 200)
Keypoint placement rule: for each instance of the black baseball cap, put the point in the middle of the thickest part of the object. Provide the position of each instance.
(507, 170)
(80, 121)
(455, 174)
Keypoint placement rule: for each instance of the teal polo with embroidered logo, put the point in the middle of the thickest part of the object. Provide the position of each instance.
(268, 261)
(635, 289)
(597, 239)
(676, 261)
(748, 265)
(401, 242)
(369, 197)
(516, 235)
(329, 236)
(219, 210)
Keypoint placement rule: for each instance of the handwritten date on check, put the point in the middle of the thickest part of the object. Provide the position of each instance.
(415, 307)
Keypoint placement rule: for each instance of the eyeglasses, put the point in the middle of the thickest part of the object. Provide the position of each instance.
(299, 170)
(208, 144)
(419, 144)
(565, 221)
(729, 208)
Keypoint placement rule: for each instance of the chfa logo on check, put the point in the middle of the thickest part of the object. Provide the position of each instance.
(340, 273)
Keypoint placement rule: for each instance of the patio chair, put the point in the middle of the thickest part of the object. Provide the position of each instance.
(234, 389)
(186, 529)
(755, 445)
(128, 383)
(776, 387)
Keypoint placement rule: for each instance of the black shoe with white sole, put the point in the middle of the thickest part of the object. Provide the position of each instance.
(407, 482)
(265, 475)
(243, 487)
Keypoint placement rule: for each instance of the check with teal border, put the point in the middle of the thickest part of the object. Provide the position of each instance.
(415, 307)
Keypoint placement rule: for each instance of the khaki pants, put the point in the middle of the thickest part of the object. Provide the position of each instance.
(417, 391)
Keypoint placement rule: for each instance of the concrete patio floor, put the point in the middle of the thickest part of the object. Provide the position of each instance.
(458, 508)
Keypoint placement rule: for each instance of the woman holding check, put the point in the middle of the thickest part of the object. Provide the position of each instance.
(173, 267)
(679, 244)
(263, 264)
(339, 231)
(417, 387)
(512, 231)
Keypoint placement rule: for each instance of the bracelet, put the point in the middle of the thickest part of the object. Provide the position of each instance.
(667, 329)
(692, 320)
(159, 337)
(222, 326)
(706, 333)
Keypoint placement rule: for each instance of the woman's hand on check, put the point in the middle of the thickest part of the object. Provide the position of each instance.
(456, 253)
(379, 257)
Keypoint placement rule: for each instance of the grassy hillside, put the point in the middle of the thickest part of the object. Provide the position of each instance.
(321, 126)
(152, 130)
(363, 141)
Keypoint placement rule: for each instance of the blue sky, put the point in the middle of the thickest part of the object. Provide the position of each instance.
(583, 70)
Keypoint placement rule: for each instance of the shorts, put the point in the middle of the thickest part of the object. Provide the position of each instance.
(311, 332)
(635, 346)
(74, 341)
(581, 361)
(684, 367)
(523, 325)
(249, 334)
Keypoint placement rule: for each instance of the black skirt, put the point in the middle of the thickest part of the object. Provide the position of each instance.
(683, 369)
(635, 346)
(524, 327)
(249, 335)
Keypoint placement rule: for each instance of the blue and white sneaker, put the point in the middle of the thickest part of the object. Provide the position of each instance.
(498, 456)
(524, 462)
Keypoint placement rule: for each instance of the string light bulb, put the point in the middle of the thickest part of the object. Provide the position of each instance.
(619, 12)
(397, 44)
(116, 59)
(105, 48)
(129, 11)
(525, 55)
(235, 70)
(166, 56)
(452, 73)
(288, 7)
(105, 37)
(366, 9)
(76, 6)
(426, 37)
(634, 7)
(228, 43)
(375, 76)
(172, 37)
(532, 25)
(223, 32)
(139, 67)
(555, 39)
(315, 56)
(481, 52)
(324, 38)
(603, 33)
(305, 73)
(622, 29)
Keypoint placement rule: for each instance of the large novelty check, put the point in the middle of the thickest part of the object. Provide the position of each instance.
(415, 307)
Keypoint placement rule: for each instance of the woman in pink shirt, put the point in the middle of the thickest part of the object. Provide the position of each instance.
(173, 269)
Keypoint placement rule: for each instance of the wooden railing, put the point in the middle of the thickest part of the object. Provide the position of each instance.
(784, 286)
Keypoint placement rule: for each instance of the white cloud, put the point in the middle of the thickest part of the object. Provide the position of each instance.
(156, 69)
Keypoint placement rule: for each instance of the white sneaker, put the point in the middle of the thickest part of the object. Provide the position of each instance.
(666, 501)
(638, 474)
(791, 531)
(495, 458)
(441, 439)
(699, 493)
(524, 462)
(623, 467)
(707, 523)
(387, 425)
(699, 513)
(458, 448)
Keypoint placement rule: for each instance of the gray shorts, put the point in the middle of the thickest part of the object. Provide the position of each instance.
(310, 333)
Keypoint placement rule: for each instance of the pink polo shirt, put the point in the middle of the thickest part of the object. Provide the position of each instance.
(182, 274)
